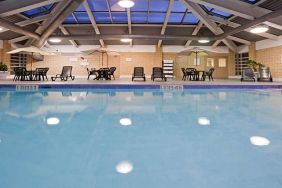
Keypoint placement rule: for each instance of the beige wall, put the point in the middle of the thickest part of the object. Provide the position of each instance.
(188, 61)
(125, 68)
(271, 57)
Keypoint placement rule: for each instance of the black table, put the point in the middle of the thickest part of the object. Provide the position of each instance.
(197, 75)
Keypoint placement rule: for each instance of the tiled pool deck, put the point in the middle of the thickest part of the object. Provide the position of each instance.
(126, 83)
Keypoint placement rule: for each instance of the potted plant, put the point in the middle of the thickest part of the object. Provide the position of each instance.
(254, 65)
(3, 71)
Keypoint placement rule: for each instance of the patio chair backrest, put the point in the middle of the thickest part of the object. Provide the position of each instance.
(248, 72)
(158, 71)
(264, 72)
(190, 70)
(183, 71)
(19, 71)
(138, 71)
(210, 72)
(45, 71)
(66, 70)
(112, 70)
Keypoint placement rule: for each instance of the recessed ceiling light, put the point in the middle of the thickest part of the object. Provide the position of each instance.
(1, 29)
(124, 167)
(125, 121)
(126, 3)
(203, 41)
(125, 40)
(204, 121)
(53, 121)
(55, 40)
(259, 29)
(259, 141)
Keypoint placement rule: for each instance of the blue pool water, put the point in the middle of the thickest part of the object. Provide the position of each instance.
(141, 138)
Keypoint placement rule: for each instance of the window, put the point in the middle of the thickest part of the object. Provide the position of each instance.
(241, 62)
(210, 62)
(222, 62)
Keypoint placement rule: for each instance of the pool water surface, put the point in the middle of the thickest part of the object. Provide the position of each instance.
(141, 138)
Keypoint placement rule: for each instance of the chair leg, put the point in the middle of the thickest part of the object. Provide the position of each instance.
(88, 76)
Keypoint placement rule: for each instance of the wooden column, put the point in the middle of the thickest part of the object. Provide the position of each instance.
(6, 58)
(252, 51)
(231, 63)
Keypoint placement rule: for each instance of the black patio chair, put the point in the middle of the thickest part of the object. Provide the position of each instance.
(65, 74)
(40, 73)
(158, 73)
(111, 72)
(20, 74)
(248, 75)
(265, 75)
(92, 72)
(138, 72)
(208, 74)
(44, 74)
(191, 73)
(185, 75)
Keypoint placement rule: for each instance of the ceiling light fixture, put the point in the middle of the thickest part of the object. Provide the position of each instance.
(259, 29)
(1, 29)
(125, 40)
(126, 3)
(203, 41)
(55, 40)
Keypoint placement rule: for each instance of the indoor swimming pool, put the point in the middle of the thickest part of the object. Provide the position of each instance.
(126, 138)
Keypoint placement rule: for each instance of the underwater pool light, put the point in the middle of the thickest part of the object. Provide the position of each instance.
(124, 167)
(204, 121)
(53, 121)
(125, 121)
(259, 141)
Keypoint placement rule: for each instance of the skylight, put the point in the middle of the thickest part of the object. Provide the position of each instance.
(215, 12)
(251, 1)
(38, 11)
(143, 12)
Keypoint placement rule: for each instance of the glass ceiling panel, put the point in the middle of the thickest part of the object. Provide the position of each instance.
(139, 17)
(159, 5)
(175, 18)
(98, 5)
(38, 11)
(215, 12)
(140, 5)
(115, 7)
(156, 17)
(70, 20)
(190, 19)
(119, 17)
(82, 17)
(80, 8)
(102, 17)
(178, 7)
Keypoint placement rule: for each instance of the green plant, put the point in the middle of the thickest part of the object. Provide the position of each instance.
(254, 65)
(3, 67)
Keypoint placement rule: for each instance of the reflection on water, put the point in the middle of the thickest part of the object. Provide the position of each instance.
(153, 136)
